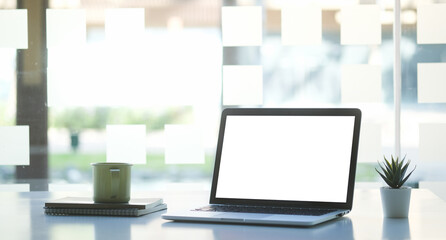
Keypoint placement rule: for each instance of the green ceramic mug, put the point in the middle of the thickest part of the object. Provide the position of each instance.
(111, 182)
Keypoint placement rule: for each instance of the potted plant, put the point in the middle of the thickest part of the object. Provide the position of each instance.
(395, 197)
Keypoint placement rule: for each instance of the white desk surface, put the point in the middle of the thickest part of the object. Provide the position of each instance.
(22, 217)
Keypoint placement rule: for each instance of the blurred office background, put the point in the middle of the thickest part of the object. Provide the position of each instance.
(144, 81)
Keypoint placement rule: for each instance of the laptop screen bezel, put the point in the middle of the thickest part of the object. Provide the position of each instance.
(356, 113)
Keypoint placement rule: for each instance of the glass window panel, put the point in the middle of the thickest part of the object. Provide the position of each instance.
(14, 28)
(423, 103)
(174, 69)
(312, 76)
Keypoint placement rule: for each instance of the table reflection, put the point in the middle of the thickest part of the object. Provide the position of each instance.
(342, 226)
(93, 227)
(396, 228)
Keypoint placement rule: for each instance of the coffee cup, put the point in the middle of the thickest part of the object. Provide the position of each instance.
(111, 182)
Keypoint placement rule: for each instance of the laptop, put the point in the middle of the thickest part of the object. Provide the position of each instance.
(281, 167)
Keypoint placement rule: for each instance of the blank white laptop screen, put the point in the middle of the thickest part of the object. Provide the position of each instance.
(295, 158)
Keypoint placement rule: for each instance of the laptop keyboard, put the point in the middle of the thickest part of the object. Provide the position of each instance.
(263, 209)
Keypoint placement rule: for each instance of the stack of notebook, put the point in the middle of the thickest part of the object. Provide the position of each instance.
(86, 206)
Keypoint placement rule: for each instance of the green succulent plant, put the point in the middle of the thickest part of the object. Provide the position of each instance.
(394, 172)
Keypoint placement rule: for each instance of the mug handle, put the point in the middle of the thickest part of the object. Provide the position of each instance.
(114, 182)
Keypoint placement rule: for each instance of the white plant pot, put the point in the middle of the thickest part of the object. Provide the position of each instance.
(395, 201)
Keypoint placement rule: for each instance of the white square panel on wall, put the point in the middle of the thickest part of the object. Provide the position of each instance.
(431, 82)
(66, 27)
(22, 187)
(301, 25)
(241, 26)
(125, 26)
(14, 28)
(69, 75)
(62, 87)
(361, 83)
(183, 145)
(431, 144)
(431, 27)
(370, 146)
(360, 25)
(242, 85)
(14, 145)
(126, 143)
